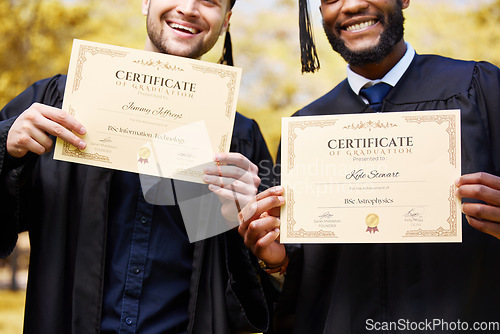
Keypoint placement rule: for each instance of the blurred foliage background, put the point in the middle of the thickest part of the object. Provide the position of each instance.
(37, 37)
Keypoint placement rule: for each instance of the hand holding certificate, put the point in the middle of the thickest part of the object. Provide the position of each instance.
(148, 112)
(382, 177)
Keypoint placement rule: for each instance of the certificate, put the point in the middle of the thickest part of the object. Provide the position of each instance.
(148, 112)
(371, 178)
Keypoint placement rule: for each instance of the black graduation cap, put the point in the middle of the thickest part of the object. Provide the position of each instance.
(308, 55)
(227, 51)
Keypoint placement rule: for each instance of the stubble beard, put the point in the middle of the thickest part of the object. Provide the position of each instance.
(388, 39)
(160, 41)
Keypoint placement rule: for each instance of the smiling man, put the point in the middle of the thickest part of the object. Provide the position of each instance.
(190, 31)
(103, 259)
(390, 288)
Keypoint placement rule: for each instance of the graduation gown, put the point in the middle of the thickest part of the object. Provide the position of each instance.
(355, 288)
(64, 208)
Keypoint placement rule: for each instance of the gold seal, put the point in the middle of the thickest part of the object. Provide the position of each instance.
(372, 221)
(144, 154)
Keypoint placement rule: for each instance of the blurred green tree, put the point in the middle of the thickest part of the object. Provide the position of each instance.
(36, 36)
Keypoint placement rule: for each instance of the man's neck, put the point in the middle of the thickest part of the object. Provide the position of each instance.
(379, 70)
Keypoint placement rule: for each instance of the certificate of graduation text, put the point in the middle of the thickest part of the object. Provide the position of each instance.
(371, 178)
(148, 112)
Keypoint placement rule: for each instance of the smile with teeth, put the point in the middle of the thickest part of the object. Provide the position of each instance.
(183, 28)
(360, 26)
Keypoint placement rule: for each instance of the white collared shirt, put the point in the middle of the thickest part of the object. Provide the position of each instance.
(357, 81)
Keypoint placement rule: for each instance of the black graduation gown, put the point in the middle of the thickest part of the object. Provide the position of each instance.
(64, 208)
(361, 287)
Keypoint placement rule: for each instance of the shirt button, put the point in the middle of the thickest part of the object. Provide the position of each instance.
(128, 321)
(137, 270)
(144, 220)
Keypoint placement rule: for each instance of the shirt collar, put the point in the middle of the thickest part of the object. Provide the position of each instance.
(357, 82)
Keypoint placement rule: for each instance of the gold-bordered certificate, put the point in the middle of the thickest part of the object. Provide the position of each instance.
(148, 112)
(371, 178)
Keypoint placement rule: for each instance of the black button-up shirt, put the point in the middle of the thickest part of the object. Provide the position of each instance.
(148, 263)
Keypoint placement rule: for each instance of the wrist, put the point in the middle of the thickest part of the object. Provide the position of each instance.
(276, 268)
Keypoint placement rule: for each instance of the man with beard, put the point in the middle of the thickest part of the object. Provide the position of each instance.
(355, 288)
(103, 259)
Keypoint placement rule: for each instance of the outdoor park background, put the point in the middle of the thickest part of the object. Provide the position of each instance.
(36, 38)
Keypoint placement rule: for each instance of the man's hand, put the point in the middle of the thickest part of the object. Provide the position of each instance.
(260, 224)
(484, 187)
(31, 130)
(234, 180)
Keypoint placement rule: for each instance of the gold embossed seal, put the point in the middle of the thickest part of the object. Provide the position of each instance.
(144, 154)
(372, 221)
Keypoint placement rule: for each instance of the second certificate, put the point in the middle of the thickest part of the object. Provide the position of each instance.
(371, 178)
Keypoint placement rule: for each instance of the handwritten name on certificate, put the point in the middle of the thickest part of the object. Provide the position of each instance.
(371, 178)
(148, 112)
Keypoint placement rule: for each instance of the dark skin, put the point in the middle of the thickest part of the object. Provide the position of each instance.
(485, 187)
(357, 23)
(379, 70)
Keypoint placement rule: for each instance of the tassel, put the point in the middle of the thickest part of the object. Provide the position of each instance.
(227, 52)
(308, 56)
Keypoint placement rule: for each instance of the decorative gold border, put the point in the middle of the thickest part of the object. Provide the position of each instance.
(76, 153)
(292, 136)
(188, 172)
(191, 172)
(159, 65)
(94, 50)
(370, 125)
(67, 150)
(452, 150)
(231, 84)
(223, 143)
(441, 232)
(439, 119)
(290, 233)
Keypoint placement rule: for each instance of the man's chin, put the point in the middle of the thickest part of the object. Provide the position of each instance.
(362, 58)
(361, 48)
(181, 51)
(362, 55)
